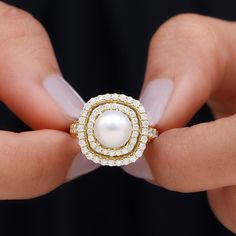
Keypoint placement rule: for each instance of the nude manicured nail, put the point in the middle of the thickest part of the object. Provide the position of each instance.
(139, 169)
(64, 95)
(80, 166)
(71, 103)
(155, 98)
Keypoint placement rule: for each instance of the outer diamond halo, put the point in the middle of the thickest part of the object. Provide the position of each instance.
(113, 130)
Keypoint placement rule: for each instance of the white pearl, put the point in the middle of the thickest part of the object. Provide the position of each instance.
(112, 129)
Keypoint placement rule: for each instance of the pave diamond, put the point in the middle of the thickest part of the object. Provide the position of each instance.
(152, 133)
(140, 135)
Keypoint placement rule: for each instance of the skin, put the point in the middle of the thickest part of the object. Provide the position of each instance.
(198, 53)
(31, 163)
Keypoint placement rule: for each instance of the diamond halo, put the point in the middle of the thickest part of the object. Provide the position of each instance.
(93, 150)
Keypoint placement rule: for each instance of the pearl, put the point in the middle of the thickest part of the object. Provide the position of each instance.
(112, 129)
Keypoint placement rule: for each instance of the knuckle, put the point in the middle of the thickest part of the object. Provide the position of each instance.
(181, 37)
(15, 13)
(22, 36)
(184, 18)
(17, 23)
(185, 28)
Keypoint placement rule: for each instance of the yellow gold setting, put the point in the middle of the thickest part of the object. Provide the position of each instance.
(141, 132)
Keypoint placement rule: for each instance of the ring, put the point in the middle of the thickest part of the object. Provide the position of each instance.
(113, 130)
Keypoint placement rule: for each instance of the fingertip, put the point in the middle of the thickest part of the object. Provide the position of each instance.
(49, 103)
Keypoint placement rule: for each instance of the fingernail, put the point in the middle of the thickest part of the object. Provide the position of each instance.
(80, 166)
(64, 95)
(71, 103)
(139, 169)
(155, 98)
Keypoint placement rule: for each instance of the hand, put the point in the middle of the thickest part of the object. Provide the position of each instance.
(33, 163)
(196, 56)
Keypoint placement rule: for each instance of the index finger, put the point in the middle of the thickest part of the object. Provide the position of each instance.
(31, 83)
(190, 59)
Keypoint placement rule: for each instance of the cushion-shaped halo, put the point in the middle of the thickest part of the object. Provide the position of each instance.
(93, 149)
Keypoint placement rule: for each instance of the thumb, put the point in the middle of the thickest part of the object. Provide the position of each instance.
(34, 163)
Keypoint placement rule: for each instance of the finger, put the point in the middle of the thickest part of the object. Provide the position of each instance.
(190, 58)
(31, 84)
(196, 158)
(223, 203)
(34, 163)
(189, 62)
